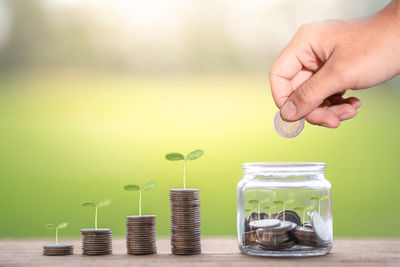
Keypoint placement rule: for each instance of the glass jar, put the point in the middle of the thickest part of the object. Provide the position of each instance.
(284, 210)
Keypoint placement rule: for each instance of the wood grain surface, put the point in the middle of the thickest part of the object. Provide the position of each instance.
(216, 252)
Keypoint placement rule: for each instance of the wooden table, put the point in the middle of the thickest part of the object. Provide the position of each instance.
(216, 252)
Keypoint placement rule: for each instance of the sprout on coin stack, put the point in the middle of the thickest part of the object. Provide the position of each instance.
(284, 203)
(259, 204)
(303, 212)
(318, 200)
(97, 241)
(141, 229)
(185, 211)
(57, 249)
(269, 209)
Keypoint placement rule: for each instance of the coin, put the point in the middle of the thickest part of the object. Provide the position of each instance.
(141, 235)
(60, 249)
(305, 236)
(267, 223)
(287, 129)
(96, 241)
(185, 221)
(321, 228)
(290, 216)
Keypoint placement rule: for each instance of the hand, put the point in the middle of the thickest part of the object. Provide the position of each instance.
(323, 60)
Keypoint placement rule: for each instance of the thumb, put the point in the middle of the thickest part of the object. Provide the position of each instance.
(310, 94)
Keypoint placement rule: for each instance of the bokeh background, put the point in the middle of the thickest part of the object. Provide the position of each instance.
(94, 93)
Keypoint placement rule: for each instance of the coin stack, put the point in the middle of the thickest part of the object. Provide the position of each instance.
(273, 234)
(141, 235)
(249, 238)
(96, 241)
(316, 235)
(185, 221)
(305, 236)
(58, 249)
(290, 216)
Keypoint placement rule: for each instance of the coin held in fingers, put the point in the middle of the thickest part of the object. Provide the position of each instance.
(288, 129)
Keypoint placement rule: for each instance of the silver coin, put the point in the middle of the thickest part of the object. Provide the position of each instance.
(320, 227)
(288, 129)
(267, 223)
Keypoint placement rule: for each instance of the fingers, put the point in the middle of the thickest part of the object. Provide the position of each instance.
(331, 116)
(311, 93)
(296, 63)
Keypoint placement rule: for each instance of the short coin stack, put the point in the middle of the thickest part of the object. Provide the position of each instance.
(58, 249)
(305, 236)
(96, 241)
(273, 234)
(249, 238)
(185, 221)
(141, 235)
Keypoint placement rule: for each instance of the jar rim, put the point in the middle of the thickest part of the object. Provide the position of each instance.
(285, 166)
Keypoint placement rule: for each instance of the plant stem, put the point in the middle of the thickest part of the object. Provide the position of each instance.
(95, 219)
(283, 206)
(140, 202)
(304, 215)
(319, 206)
(184, 174)
(56, 236)
(259, 210)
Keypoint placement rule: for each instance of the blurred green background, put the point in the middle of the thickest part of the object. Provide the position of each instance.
(93, 94)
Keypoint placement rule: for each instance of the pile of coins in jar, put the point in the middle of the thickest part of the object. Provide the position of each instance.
(285, 231)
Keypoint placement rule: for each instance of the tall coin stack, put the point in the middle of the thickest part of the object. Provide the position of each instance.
(96, 241)
(185, 221)
(141, 235)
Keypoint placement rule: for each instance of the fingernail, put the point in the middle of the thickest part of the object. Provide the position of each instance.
(345, 117)
(288, 110)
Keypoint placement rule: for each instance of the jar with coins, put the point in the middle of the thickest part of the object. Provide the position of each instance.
(284, 210)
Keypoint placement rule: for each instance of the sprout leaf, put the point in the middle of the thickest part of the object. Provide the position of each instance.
(88, 204)
(298, 208)
(103, 203)
(174, 156)
(314, 198)
(62, 225)
(149, 185)
(324, 197)
(50, 226)
(253, 201)
(247, 210)
(194, 154)
(131, 187)
(290, 201)
(278, 202)
(309, 207)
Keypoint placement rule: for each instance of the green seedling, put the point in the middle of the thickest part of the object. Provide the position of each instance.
(284, 203)
(255, 201)
(247, 211)
(307, 209)
(178, 156)
(319, 199)
(145, 187)
(300, 210)
(259, 203)
(87, 204)
(56, 227)
(269, 208)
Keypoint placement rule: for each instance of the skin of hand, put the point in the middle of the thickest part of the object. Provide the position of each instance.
(323, 60)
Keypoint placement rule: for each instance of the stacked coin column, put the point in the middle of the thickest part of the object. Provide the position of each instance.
(96, 241)
(185, 221)
(141, 235)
